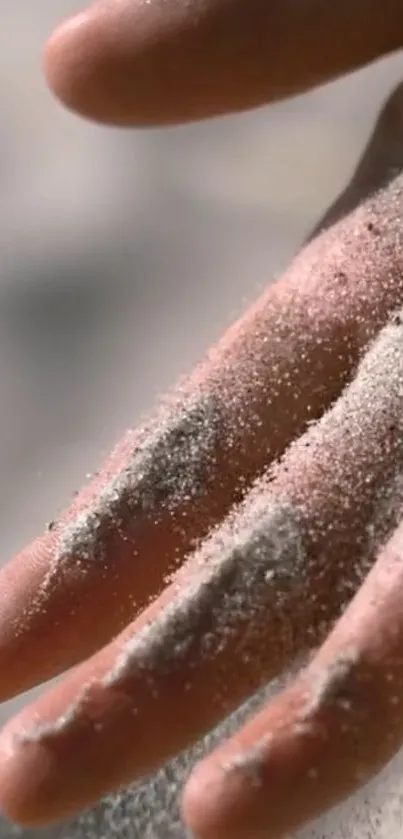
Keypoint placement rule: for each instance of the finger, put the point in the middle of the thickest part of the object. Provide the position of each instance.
(335, 728)
(128, 62)
(264, 587)
(167, 485)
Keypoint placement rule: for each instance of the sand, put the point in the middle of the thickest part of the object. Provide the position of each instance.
(318, 506)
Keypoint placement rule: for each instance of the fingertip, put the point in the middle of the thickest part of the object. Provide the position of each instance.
(71, 65)
(213, 802)
(21, 586)
(25, 768)
(124, 64)
(199, 801)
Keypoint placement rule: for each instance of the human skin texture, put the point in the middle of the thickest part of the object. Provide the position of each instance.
(257, 517)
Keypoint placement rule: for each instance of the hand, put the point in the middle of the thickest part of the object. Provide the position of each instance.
(228, 536)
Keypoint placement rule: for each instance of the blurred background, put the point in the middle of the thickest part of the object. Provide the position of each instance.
(125, 254)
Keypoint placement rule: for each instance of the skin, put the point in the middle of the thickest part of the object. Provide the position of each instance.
(132, 63)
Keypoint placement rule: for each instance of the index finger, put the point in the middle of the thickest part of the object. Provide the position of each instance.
(130, 62)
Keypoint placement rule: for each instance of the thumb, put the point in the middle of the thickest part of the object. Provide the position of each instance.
(155, 62)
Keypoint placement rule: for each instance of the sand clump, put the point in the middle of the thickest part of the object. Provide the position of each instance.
(167, 468)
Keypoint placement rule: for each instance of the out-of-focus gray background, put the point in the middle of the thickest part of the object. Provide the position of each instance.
(123, 255)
